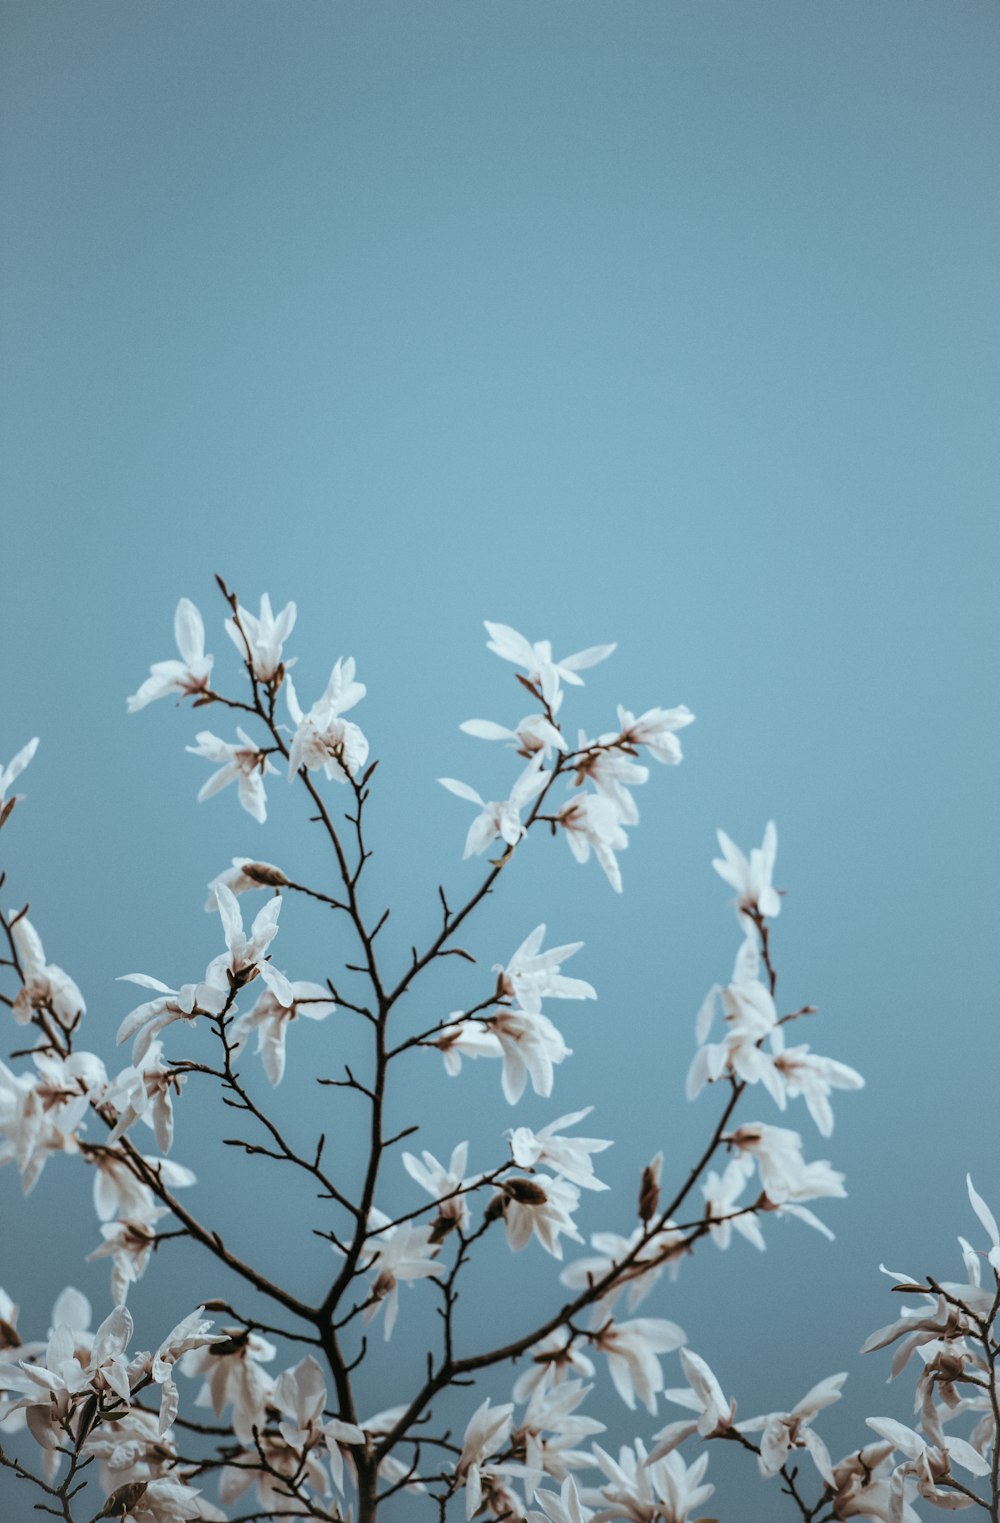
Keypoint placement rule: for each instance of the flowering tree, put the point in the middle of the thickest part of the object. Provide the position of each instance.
(290, 1434)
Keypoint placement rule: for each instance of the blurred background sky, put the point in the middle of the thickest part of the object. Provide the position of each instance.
(674, 324)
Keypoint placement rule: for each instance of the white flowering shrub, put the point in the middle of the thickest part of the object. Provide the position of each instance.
(231, 1416)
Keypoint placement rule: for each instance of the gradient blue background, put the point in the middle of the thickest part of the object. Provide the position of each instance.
(674, 324)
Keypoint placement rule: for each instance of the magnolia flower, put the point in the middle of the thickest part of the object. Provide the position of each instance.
(144, 1092)
(722, 1193)
(120, 1192)
(396, 1253)
(260, 639)
(592, 822)
(129, 1243)
(161, 1500)
(568, 1156)
(612, 773)
(531, 1046)
(271, 1018)
(704, 1396)
(926, 1464)
(532, 735)
(533, 975)
(551, 1360)
(465, 1038)
(233, 1376)
(536, 659)
(548, 1431)
(46, 986)
(782, 1431)
(246, 953)
(542, 1206)
(445, 1185)
(656, 731)
(486, 1431)
(642, 1491)
(631, 1349)
(323, 738)
(245, 874)
(784, 1173)
(806, 1073)
(300, 1395)
(499, 819)
(751, 878)
(15, 768)
(244, 764)
(861, 1486)
(190, 674)
(564, 1508)
(647, 1263)
(750, 1017)
(146, 1021)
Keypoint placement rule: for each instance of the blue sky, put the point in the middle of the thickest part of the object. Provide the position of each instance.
(670, 324)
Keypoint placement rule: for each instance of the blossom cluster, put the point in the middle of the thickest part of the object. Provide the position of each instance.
(284, 1436)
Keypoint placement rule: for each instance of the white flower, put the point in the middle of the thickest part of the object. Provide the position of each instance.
(536, 659)
(46, 986)
(531, 735)
(806, 1073)
(501, 818)
(244, 764)
(271, 1018)
(656, 731)
(926, 1464)
(542, 1206)
(568, 1156)
(465, 1038)
(704, 1396)
(564, 1508)
(782, 1431)
(784, 1173)
(751, 878)
(129, 1243)
(144, 1091)
(631, 1349)
(486, 1431)
(265, 636)
(665, 1247)
(446, 1185)
(592, 822)
(146, 1021)
(533, 975)
(190, 674)
(15, 768)
(531, 1045)
(722, 1193)
(396, 1253)
(323, 738)
(988, 1221)
(551, 1360)
(246, 954)
(233, 1375)
(662, 1491)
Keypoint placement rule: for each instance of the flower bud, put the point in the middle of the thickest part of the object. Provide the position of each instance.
(265, 874)
(526, 1192)
(649, 1188)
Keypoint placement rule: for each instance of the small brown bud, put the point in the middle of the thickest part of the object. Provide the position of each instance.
(494, 1210)
(649, 1188)
(525, 1192)
(442, 1227)
(8, 1335)
(264, 874)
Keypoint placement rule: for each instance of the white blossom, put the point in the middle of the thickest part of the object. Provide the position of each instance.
(656, 730)
(783, 1431)
(244, 764)
(265, 635)
(271, 1017)
(631, 1349)
(532, 975)
(592, 822)
(501, 818)
(751, 876)
(536, 659)
(568, 1156)
(190, 674)
(323, 738)
(540, 1206)
(46, 986)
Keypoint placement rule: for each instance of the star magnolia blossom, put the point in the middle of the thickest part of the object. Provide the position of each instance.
(592, 822)
(751, 876)
(243, 764)
(532, 735)
(533, 975)
(260, 639)
(540, 1206)
(568, 1156)
(501, 819)
(271, 1017)
(323, 739)
(189, 675)
(536, 659)
(395, 1254)
(486, 1431)
(46, 986)
(783, 1431)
